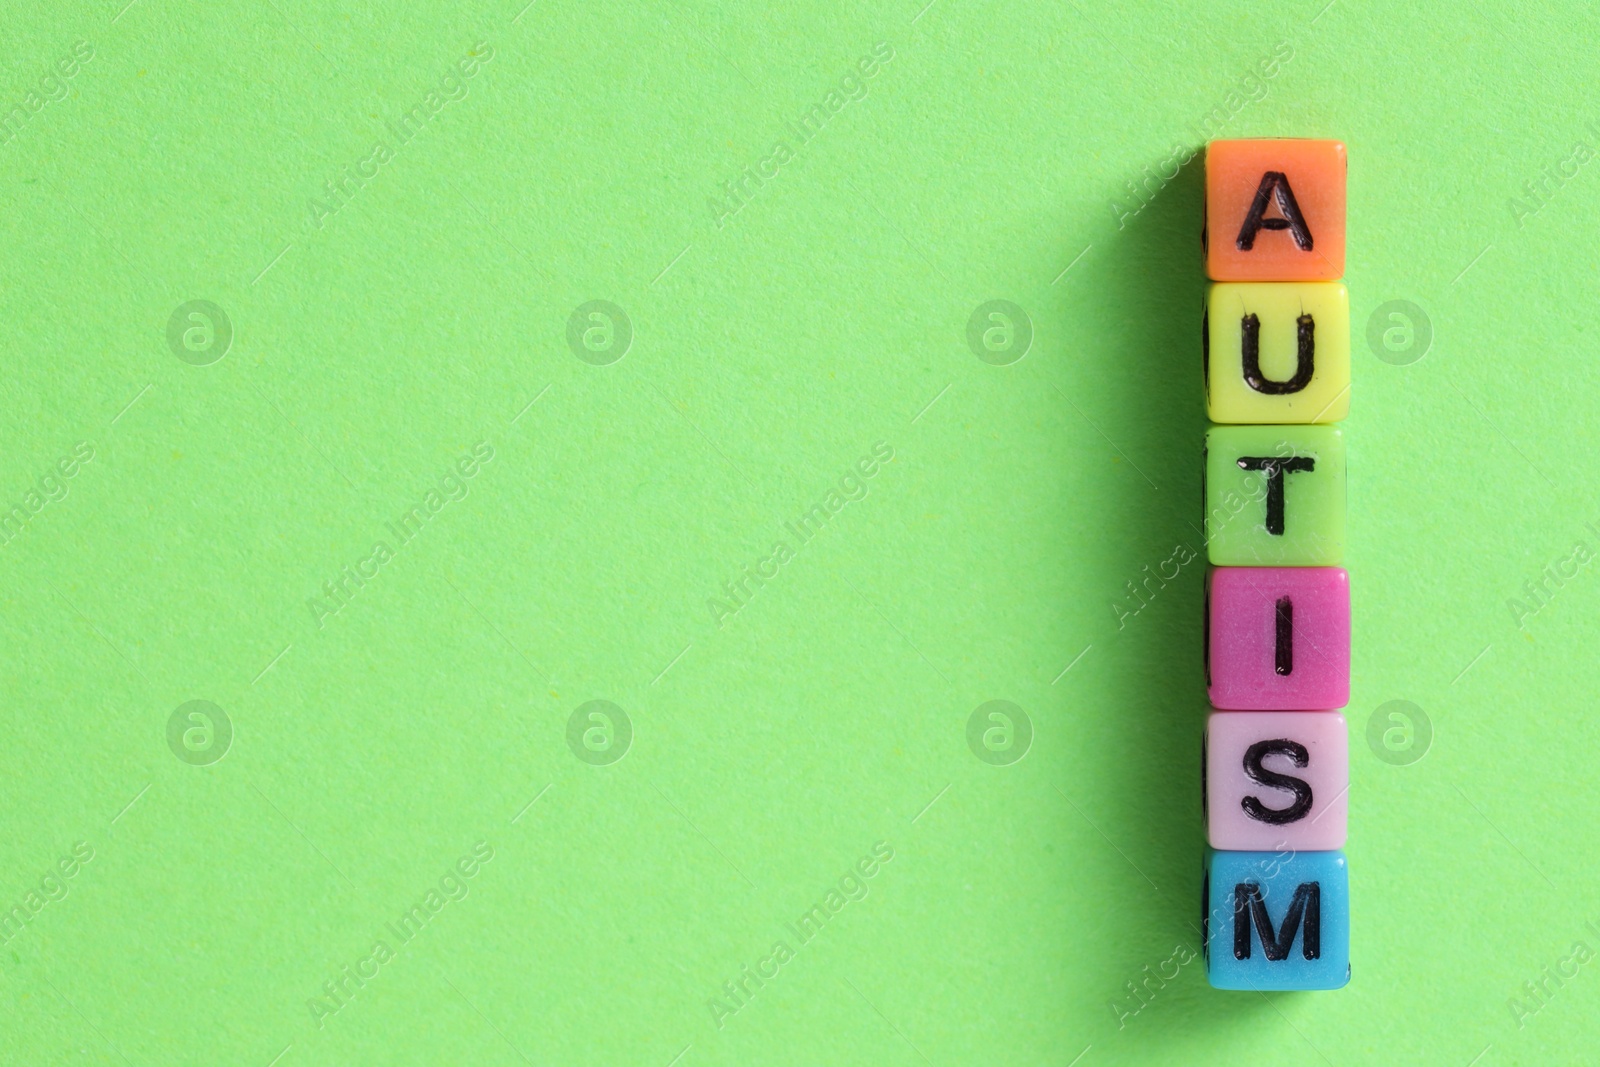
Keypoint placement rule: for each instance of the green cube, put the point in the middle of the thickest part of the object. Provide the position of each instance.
(1275, 496)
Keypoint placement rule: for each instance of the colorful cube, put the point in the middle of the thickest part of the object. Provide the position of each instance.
(1277, 352)
(1278, 638)
(1275, 210)
(1275, 496)
(1276, 780)
(1276, 920)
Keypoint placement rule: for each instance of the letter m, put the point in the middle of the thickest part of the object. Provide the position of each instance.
(1305, 909)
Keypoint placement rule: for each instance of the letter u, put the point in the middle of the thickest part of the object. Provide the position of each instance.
(1305, 356)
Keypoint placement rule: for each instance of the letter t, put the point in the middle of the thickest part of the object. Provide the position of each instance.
(1275, 469)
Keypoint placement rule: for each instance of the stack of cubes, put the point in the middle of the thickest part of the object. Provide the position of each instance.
(1276, 904)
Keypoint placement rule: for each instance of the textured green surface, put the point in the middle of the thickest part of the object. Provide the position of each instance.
(1312, 502)
(787, 332)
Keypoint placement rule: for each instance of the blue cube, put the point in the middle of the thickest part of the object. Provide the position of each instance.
(1276, 920)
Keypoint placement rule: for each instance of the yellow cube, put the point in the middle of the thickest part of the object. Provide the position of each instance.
(1277, 352)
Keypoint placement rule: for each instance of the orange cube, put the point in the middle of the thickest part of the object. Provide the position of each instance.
(1275, 210)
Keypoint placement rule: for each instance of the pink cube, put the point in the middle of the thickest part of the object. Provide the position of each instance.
(1276, 780)
(1278, 638)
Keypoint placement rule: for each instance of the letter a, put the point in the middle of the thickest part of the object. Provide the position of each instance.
(1275, 186)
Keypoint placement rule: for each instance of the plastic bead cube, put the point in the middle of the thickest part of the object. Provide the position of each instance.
(1276, 920)
(1276, 780)
(1277, 352)
(1275, 496)
(1278, 638)
(1275, 210)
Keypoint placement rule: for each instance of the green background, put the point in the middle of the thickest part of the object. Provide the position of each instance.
(988, 160)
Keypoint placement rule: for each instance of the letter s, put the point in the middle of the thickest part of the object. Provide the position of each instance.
(1301, 789)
